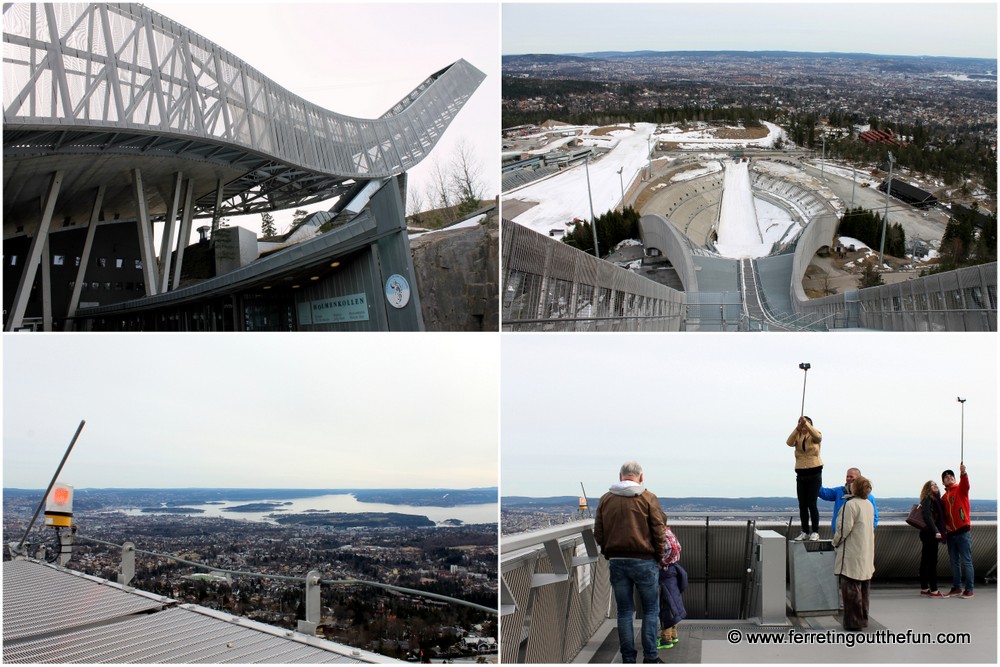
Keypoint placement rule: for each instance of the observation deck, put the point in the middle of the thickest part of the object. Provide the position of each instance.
(557, 605)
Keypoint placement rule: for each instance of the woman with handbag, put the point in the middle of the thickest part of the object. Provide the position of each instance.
(854, 541)
(932, 534)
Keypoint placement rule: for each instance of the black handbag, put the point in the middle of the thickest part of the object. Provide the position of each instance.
(916, 518)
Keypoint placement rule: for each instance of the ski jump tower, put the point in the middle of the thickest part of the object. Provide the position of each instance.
(116, 118)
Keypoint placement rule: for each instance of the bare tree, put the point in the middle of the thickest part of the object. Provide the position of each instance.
(466, 177)
(440, 187)
(414, 202)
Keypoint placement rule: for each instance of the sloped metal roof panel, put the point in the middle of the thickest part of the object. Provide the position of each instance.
(52, 614)
(178, 635)
(39, 600)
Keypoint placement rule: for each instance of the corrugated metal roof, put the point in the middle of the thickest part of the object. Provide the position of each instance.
(52, 614)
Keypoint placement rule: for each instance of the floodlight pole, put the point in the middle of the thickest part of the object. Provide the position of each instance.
(41, 504)
(590, 198)
(822, 159)
(621, 183)
(854, 180)
(962, 455)
(885, 218)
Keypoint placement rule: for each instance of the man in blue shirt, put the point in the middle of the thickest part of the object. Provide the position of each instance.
(836, 496)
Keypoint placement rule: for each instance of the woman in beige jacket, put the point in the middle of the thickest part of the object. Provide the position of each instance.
(854, 540)
(806, 440)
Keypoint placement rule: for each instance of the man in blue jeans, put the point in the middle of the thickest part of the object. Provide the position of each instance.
(630, 529)
(958, 521)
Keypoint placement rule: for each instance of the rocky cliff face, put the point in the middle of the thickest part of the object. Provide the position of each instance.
(458, 277)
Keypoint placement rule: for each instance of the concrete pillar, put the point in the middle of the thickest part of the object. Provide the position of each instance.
(168, 236)
(392, 253)
(20, 303)
(145, 235)
(127, 573)
(185, 231)
(88, 244)
(770, 565)
(46, 287)
(313, 610)
(217, 211)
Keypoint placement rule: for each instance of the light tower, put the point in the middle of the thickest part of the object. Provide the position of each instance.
(885, 218)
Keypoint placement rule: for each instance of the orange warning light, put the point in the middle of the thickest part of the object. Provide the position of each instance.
(60, 495)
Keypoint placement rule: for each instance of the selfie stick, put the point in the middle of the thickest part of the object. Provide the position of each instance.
(805, 374)
(962, 458)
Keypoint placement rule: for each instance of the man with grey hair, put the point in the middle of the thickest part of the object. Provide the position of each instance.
(631, 531)
(838, 496)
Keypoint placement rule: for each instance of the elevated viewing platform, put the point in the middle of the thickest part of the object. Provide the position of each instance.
(742, 601)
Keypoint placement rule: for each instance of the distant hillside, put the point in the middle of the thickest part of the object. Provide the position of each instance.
(543, 58)
(607, 55)
(697, 504)
(98, 498)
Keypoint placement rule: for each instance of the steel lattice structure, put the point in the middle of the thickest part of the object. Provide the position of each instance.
(86, 80)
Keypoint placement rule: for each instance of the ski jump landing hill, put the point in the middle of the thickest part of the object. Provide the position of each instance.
(117, 117)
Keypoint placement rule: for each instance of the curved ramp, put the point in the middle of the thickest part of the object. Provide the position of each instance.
(87, 81)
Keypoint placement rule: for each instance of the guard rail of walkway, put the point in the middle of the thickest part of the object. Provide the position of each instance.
(112, 68)
(555, 592)
(960, 300)
(551, 286)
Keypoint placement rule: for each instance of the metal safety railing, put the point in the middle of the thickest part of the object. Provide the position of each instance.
(550, 286)
(960, 300)
(556, 592)
(312, 581)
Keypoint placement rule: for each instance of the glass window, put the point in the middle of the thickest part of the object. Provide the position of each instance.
(58, 260)
(138, 265)
(102, 262)
(119, 263)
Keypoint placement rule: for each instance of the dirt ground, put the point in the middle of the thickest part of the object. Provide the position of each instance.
(647, 189)
(745, 133)
(827, 275)
(607, 129)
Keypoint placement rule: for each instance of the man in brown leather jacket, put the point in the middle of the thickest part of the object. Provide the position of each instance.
(630, 529)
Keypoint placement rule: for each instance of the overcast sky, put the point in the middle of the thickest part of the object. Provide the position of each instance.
(708, 414)
(910, 28)
(360, 59)
(252, 410)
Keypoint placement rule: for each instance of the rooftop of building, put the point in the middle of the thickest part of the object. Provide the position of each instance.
(52, 614)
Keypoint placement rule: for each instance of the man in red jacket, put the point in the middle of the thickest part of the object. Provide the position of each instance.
(959, 525)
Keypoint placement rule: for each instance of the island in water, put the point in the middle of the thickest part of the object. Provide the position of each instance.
(356, 520)
(255, 507)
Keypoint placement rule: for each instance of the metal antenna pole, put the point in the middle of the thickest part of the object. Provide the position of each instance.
(41, 504)
(590, 198)
(805, 368)
(962, 456)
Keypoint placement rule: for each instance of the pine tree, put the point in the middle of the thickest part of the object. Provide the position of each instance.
(267, 228)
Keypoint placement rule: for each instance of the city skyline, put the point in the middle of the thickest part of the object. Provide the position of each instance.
(250, 411)
(959, 29)
(708, 415)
